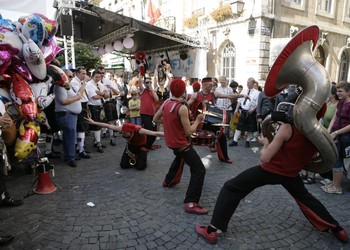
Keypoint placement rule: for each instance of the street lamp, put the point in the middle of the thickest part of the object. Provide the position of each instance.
(237, 7)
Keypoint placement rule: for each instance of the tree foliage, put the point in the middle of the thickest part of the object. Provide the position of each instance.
(83, 57)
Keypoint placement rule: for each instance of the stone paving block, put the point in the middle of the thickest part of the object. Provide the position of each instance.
(133, 207)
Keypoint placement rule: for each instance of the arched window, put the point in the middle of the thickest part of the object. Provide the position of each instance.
(320, 55)
(228, 65)
(344, 66)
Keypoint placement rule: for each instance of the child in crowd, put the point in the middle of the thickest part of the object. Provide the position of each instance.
(134, 108)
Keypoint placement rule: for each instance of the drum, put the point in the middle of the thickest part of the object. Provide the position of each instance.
(203, 138)
(213, 115)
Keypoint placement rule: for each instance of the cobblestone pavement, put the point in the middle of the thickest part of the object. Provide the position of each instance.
(133, 211)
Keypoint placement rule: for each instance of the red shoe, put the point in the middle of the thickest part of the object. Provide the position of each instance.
(211, 238)
(213, 150)
(226, 161)
(194, 208)
(342, 236)
(167, 185)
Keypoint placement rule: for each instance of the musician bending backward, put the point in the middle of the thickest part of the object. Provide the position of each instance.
(281, 162)
(203, 97)
(135, 152)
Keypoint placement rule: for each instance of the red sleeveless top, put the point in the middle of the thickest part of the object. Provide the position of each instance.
(174, 132)
(148, 105)
(198, 104)
(292, 157)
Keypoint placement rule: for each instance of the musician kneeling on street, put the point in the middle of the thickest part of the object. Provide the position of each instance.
(135, 152)
(281, 162)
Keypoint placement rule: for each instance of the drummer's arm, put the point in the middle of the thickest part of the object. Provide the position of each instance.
(229, 96)
(189, 129)
(192, 99)
(158, 116)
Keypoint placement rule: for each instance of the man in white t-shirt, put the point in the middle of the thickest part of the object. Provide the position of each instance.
(76, 83)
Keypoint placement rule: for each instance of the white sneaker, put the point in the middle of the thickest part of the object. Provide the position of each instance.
(254, 139)
(330, 189)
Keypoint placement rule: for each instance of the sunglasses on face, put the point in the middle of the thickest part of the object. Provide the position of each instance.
(70, 77)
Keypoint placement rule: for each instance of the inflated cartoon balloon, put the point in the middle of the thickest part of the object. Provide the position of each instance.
(34, 29)
(40, 91)
(58, 76)
(10, 41)
(6, 24)
(34, 58)
(5, 61)
(51, 26)
(28, 134)
(51, 50)
(23, 97)
(19, 66)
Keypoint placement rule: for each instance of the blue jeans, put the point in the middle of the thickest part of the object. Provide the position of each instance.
(136, 120)
(68, 124)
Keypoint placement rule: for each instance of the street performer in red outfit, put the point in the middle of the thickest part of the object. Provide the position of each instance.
(281, 162)
(204, 96)
(135, 152)
(177, 129)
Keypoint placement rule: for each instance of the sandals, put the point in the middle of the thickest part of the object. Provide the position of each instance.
(309, 180)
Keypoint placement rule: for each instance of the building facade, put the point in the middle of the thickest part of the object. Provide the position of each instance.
(244, 43)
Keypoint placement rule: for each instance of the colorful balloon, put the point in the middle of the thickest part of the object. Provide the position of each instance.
(34, 29)
(23, 97)
(27, 139)
(50, 26)
(40, 91)
(10, 41)
(58, 76)
(5, 61)
(34, 58)
(51, 50)
(6, 24)
(19, 66)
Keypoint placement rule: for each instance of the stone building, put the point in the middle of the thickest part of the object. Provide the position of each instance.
(243, 37)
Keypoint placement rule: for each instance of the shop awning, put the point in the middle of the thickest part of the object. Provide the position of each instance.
(97, 27)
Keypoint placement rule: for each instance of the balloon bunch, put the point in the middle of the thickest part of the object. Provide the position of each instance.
(27, 48)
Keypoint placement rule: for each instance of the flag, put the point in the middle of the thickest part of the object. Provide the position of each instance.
(153, 11)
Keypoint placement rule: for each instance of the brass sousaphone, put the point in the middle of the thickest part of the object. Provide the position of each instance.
(297, 65)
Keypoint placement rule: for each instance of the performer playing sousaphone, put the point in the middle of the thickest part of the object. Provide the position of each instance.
(198, 100)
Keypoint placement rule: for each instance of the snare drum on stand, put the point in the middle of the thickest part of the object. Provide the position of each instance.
(214, 119)
(203, 138)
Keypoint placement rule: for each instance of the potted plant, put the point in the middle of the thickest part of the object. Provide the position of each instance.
(192, 21)
(222, 13)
